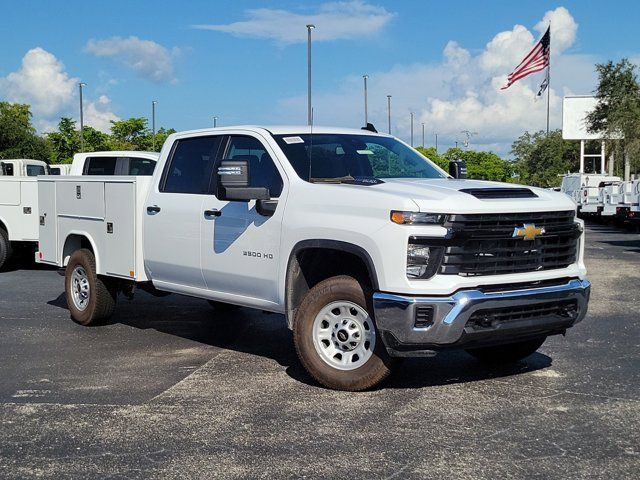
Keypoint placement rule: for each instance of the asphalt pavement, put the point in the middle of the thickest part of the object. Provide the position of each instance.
(170, 388)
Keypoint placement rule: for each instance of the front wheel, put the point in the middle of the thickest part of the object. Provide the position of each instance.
(509, 353)
(336, 338)
(90, 298)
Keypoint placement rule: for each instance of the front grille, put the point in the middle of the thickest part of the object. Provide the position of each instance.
(484, 245)
(492, 318)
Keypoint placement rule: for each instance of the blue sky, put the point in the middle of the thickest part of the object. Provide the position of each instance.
(444, 61)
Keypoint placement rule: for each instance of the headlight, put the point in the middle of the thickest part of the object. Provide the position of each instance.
(416, 218)
(422, 260)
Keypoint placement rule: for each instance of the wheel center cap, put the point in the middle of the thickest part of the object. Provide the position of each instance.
(342, 335)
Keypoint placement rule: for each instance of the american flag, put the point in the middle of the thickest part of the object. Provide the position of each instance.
(536, 60)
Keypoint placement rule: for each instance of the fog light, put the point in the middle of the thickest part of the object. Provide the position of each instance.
(422, 260)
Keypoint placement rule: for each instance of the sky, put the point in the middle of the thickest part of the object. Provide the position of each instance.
(246, 62)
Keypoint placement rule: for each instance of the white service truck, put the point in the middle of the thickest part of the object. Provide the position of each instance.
(368, 248)
(23, 167)
(585, 190)
(19, 216)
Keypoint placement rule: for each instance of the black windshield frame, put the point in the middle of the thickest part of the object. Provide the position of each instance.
(328, 157)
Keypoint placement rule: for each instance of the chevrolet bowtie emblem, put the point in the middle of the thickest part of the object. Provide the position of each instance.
(528, 231)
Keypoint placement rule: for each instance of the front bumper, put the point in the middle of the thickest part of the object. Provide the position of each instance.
(419, 325)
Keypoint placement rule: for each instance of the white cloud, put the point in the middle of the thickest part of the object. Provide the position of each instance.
(462, 92)
(334, 21)
(98, 114)
(148, 59)
(43, 83)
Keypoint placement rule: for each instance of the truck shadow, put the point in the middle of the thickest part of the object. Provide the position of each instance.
(264, 335)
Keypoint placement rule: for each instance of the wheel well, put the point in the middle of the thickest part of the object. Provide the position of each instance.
(72, 243)
(3, 226)
(310, 265)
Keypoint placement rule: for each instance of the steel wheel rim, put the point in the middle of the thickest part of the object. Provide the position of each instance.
(80, 288)
(344, 335)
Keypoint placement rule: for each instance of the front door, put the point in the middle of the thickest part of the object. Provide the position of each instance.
(240, 248)
(173, 213)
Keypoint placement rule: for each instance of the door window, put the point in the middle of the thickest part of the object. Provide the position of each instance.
(191, 165)
(262, 170)
(35, 170)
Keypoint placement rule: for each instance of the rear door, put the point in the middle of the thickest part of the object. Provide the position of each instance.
(174, 210)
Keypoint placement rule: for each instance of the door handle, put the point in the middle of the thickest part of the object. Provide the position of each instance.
(153, 209)
(214, 212)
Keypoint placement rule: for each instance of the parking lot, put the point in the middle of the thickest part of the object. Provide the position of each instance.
(172, 389)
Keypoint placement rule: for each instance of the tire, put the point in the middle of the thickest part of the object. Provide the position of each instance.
(324, 336)
(100, 300)
(509, 353)
(5, 248)
(222, 306)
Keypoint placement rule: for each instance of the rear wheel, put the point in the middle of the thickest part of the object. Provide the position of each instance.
(509, 353)
(90, 298)
(5, 248)
(336, 338)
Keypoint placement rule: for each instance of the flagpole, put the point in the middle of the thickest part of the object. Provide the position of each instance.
(549, 80)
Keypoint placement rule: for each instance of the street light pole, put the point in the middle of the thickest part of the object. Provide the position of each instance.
(309, 114)
(436, 143)
(389, 112)
(412, 129)
(153, 122)
(366, 112)
(80, 85)
(215, 122)
(423, 145)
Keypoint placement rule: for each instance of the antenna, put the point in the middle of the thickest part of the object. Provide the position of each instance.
(468, 136)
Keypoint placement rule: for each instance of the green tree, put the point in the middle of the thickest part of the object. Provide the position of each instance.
(18, 137)
(129, 134)
(64, 142)
(540, 160)
(617, 113)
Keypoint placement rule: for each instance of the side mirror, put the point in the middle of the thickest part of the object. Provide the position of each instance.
(233, 178)
(458, 169)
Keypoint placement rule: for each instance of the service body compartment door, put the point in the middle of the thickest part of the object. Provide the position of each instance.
(81, 199)
(120, 228)
(48, 224)
(9, 191)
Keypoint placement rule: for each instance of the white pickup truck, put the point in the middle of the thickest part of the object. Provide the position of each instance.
(369, 249)
(19, 192)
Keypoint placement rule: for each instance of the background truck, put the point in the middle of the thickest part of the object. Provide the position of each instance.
(369, 250)
(60, 169)
(23, 167)
(19, 217)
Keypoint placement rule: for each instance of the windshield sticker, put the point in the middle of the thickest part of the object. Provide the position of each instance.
(365, 152)
(290, 140)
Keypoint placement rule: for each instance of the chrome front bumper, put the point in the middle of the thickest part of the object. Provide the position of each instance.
(395, 316)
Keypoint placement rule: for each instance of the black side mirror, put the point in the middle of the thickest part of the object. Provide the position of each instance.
(458, 169)
(233, 180)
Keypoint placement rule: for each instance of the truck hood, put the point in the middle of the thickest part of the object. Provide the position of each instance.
(443, 195)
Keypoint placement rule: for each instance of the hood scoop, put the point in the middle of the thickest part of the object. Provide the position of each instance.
(485, 193)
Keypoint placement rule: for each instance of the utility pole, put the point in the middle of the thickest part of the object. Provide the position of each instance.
(215, 122)
(412, 129)
(80, 86)
(423, 145)
(389, 112)
(309, 114)
(366, 112)
(153, 122)
(436, 143)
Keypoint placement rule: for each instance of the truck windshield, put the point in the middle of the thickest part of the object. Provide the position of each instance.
(334, 158)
